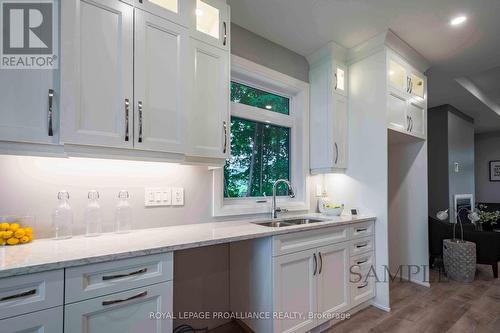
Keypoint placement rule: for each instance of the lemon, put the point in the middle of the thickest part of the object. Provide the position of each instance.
(24, 239)
(14, 226)
(4, 226)
(12, 241)
(19, 233)
(7, 234)
(28, 230)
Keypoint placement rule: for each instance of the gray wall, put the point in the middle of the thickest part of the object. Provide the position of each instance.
(487, 149)
(450, 139)
(246, 44)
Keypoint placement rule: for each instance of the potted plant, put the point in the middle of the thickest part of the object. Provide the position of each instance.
(487, 220)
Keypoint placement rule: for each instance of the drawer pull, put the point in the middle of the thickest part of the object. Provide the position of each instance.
(361, 230)
(112, 277)
(363, 286)
(144, 293)
(361, 262)
(23, 294)
(360, 246)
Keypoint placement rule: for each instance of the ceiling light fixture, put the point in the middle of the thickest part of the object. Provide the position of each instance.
(269, 107)
(458, 20)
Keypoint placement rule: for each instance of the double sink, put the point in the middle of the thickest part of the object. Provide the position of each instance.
(288, 223)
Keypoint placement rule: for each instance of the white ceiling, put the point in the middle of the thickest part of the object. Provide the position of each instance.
(471, 50)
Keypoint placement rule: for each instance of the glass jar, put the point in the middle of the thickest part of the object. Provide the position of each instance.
(123, 213)
(92, 215)
(62, 217)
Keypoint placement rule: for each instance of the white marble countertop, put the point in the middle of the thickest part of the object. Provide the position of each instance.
(47, 254)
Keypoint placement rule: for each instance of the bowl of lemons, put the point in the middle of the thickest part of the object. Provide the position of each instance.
(15, 233)
(334, 209)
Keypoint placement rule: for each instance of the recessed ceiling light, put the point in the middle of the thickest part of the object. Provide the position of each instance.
(269, 107)
(458, 20)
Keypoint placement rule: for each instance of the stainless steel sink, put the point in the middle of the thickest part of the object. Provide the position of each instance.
(302, 221)
(274, 224)
(287, 223)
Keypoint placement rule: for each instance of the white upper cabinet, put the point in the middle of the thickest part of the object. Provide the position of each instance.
(406, 98)
(329, 116)
(161, 59)
(177, 11)
(97, 70)
(208, 123)
(210, 22)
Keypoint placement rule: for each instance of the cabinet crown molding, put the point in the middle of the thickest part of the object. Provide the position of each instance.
(331, 50)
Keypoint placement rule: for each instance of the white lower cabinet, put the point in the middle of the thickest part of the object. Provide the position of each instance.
(124, 312)
(302, 279)
(45, 321)
(295, 290)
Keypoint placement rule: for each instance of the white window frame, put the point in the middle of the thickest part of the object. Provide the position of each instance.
(258, 76)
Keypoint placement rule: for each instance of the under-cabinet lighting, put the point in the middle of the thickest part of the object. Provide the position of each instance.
(458, 20)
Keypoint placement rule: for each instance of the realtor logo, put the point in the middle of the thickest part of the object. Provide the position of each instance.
(29, 34)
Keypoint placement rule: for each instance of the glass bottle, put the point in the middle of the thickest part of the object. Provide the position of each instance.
(92, 215)
(123, 213)
(62, 217)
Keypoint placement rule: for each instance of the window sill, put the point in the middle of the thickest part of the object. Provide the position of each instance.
(250, 207)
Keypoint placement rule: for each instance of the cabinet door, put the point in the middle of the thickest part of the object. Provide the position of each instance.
(295, 290)
(29, 109)
(333, 278)
(208, 125)
(340, 131)
(161, 61)
(97, 47)
(396, 111)
(45, 321)
(177, 11)
(417, 85)
(397, 75)
(125, 312)
(211, 22)
(416, 117)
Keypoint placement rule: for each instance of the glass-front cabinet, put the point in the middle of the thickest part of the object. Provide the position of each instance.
(397, 76)
(211, 22)
(177, 11)
(340, 79)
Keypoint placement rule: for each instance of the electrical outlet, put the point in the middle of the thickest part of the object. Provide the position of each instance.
(177, 196)
(154, 197)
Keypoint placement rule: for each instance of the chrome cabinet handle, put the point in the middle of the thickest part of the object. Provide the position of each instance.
(50, 113)
(118, 276)
(407, 84)
(407, 123)
(127, 104)
(411, 86)
(23, 294)
(336, 152)
(361, 262)
(224, 42)
(224, 126)
(362, 286)
(360, 246)
(411, 124)
(315, 264)
(143, 294)
(336, 81)
(361, 229)
(320, 263)
(140, 122)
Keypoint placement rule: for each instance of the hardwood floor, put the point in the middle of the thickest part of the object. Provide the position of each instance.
(444, 307)
(449, 307)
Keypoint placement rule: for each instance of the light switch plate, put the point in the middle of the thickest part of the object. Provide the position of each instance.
(177, 196)
(157, 196)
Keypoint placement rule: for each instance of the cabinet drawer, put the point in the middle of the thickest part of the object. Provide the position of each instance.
(299, 241)
(31, 292)
(361, 245)
(100, 279)
(363, 261)
(362, 291)
(360, 230)
(127, 311)
(45, 321)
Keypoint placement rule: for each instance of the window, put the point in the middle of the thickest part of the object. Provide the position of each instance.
(260, 155)
(269, 141)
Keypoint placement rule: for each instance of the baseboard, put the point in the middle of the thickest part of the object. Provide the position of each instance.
(380, 306)
(405, 278)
